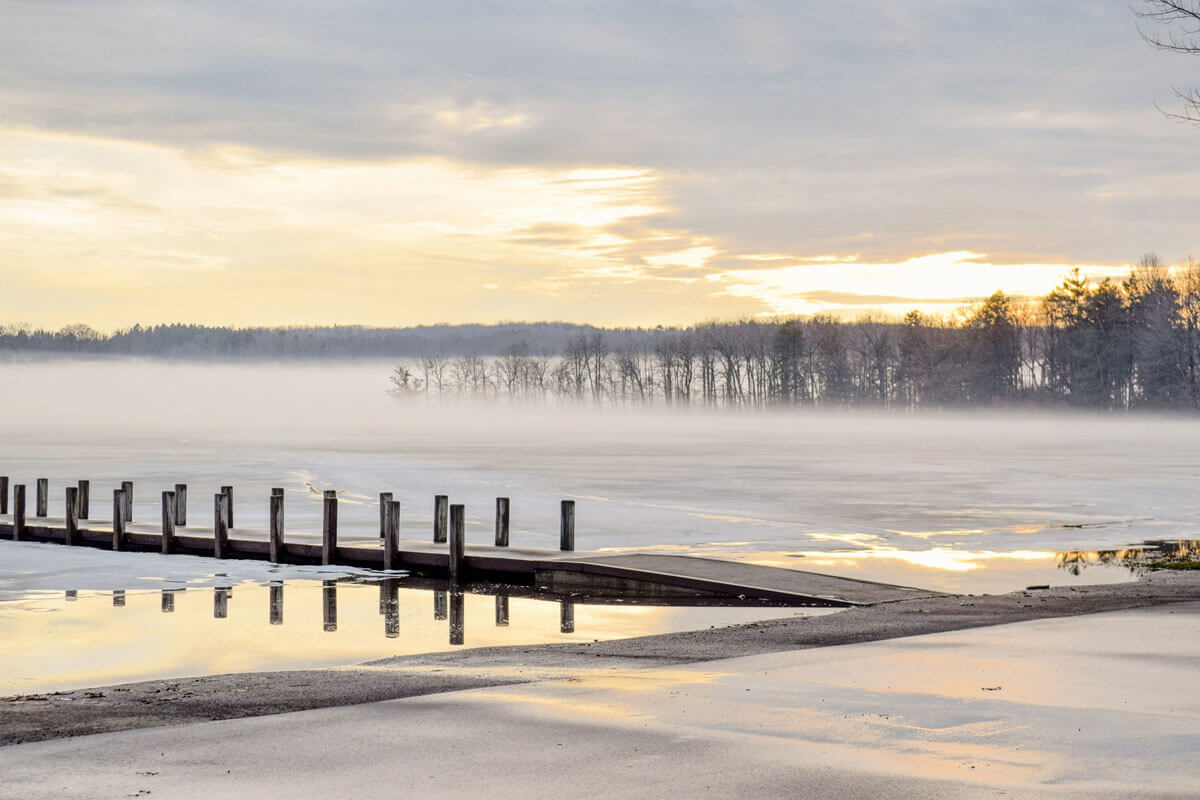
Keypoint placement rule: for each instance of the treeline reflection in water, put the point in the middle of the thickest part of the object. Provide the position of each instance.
(1139, 559)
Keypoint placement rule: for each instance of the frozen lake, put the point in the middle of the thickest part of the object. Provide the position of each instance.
(972, 503)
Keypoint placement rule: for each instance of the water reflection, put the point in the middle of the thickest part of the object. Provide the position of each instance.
(275, 589)
(1141, 559)
(88, 643)
(329, 605)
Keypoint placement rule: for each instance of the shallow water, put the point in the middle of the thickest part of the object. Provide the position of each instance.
(78, 638)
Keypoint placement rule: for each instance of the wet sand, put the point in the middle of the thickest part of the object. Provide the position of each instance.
(187, 700)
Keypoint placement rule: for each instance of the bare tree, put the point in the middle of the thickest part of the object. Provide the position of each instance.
(1175, 27)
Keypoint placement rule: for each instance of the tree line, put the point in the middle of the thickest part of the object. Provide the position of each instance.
(1110, 345)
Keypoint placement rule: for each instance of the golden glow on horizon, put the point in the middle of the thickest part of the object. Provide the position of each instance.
(115, 232)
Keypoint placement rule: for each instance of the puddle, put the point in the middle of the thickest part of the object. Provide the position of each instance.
(57, 640)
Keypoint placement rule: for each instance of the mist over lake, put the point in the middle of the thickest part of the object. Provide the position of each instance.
(971, 502)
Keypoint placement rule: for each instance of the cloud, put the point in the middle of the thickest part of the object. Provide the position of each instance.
(684, 140)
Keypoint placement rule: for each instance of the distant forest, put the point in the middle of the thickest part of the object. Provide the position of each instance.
(1112, 345)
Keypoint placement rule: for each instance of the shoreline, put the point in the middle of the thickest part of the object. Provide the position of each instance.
(147, 704)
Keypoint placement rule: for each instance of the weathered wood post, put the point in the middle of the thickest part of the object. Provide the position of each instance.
(458, 623)
(180, 505)
(72, 508)
(168, 522)
(83, 503)
(329, 605)
(391, 535)
(3, 494)
(277, 548)
(228, 492)
(384, 499)
(501, 611)
(18, 512)
(119, 517)
(118, 598)
(441, 502)
(502, 522)
(457, 540)
(566, 616)
(42, 501)
(329, 528)
(127, 488)
(276, 602)
(220, 529)
(439, 603)
(221, 602)
(566, 526)
(168, 601)
(71, 595)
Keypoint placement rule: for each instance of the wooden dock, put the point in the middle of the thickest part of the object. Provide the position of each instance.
(447, 555)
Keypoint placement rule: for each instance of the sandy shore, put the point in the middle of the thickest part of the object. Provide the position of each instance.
(174, 702)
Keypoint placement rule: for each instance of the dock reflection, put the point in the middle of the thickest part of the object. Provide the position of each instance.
(397, 600)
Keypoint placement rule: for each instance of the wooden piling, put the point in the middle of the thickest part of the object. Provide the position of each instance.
(72, 508)
(180, 505)
(276, 602)
(221, 602)
(168, 601)
(439, 604)
(168, 522)
(501, 611)
(458, 623)
(220, 529)
(127, 488)
(277, 549)
(83, 503)
(329, 605)
(18, 512)
(566, 535)
(502, 521)
(441, 502)
(384, 499)
(118, 598)
(3, 494)
(329, 528)
(457, 540)
(119, 518)
(42, 500)
(391, 535)
(228, 492)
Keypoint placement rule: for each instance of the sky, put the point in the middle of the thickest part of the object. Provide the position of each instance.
(614, 163)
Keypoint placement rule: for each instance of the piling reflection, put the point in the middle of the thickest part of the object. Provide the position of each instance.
(458, 624)
(329, 605)
(501, 611)
(1141, 559)
(221, 602)
(276, 602)
(566, 616)
(389, 607)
